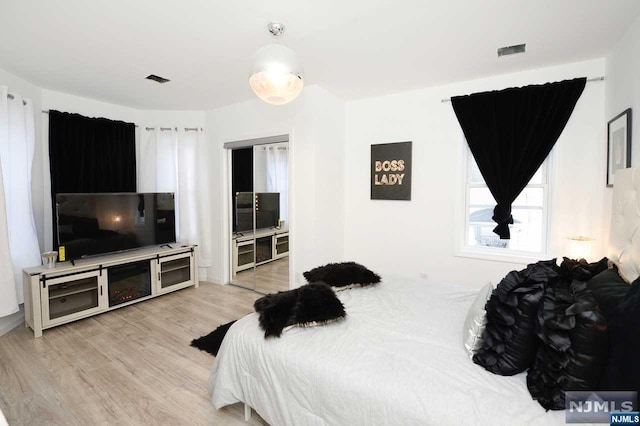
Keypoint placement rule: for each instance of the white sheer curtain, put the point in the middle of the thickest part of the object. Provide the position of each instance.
(18, 238)
(193, 193)
(277, 176)
(157, 162)
(174, 161)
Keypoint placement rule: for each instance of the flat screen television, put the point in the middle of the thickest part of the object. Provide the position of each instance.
(267, 205)
(93, 224)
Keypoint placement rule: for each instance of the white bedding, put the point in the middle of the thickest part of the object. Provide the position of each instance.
(398, 359)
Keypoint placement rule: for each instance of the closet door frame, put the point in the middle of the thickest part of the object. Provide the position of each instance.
(227, 205)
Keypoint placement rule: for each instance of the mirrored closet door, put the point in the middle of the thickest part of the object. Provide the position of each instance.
(260, 226)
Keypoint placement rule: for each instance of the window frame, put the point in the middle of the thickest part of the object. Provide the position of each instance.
(501, 254)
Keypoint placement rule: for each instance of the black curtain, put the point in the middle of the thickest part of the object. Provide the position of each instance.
(89, 155)
(511, 132)
(241, 175)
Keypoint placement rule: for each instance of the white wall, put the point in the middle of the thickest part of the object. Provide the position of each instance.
(413, 237)
(623, 82)
(315, 123)
(623, 91)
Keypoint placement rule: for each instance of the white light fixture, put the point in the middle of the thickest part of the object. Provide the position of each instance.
(581, 247)
(277, 77)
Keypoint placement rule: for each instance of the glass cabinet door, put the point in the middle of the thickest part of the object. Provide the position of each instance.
(73, 297)
(175, 272)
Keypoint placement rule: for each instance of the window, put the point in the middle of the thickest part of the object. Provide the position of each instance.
(530, 215)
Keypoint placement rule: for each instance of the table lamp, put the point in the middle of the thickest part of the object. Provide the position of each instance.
(581, 247)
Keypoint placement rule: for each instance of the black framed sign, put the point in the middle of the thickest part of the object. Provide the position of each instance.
(618, 144)
(391, 171)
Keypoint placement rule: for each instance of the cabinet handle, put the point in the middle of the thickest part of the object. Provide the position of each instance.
(100, 290)
(158, 276)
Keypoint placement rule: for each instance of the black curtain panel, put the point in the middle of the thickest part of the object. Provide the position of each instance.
(241, 175)
(511, 132)
(90, 155)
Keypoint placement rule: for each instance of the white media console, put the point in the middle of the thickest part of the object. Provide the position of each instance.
(256, 248)
(86, 287)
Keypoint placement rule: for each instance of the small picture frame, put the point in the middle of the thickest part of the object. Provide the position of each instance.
(618, 144)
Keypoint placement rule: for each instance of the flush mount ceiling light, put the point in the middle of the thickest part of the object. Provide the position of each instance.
(277, 77)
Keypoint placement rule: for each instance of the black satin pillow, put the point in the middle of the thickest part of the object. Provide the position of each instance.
(342, 275)
(581, 270)
(609, 289)
(509, 340)
(574, 347)
(623, 366)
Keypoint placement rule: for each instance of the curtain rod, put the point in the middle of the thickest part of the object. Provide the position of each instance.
(186, 129)
(588, 81)
(10, 96)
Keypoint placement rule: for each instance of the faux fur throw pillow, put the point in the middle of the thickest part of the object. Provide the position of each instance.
(345, 274)
(312, 304)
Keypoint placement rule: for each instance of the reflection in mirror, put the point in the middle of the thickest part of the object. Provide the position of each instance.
(271, 186)
(242, 241)
(260, 225)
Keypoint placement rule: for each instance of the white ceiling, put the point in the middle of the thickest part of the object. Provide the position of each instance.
(355, 48)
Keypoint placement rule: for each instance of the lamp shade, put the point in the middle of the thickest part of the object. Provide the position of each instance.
(277, 77)
(581, 247)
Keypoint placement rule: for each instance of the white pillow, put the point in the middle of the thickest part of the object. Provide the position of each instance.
(476, 321)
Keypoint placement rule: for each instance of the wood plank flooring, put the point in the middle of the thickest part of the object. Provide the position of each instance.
(131, 366)
(270, 277)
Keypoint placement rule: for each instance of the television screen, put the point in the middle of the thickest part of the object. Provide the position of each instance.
(267, 205)
(92, 224)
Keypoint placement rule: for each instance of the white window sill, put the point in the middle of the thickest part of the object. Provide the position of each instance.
(520, 258)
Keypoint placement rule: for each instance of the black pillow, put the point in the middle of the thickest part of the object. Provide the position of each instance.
(574, 347)
(623, 366)
(509, 340)
(342, 275)
(311, 304)
(609, 289)
(582, 270)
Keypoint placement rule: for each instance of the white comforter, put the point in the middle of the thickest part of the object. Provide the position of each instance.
(397, 359)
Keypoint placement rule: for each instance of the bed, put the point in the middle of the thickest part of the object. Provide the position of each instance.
(398, 358)
(407, 366)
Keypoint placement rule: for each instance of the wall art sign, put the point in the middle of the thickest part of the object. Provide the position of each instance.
(391, 171)
(618, 144)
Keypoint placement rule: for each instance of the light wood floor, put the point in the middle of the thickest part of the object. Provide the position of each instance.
(270, 277)
(131, 366)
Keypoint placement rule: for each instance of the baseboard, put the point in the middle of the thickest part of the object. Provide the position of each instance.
(205, 276)
(209, 281)
(10, 322)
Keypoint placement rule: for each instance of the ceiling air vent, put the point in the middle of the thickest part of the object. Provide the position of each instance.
(157, 78)
(511, 50)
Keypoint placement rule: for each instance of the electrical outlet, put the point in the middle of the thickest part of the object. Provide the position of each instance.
(424, 276)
